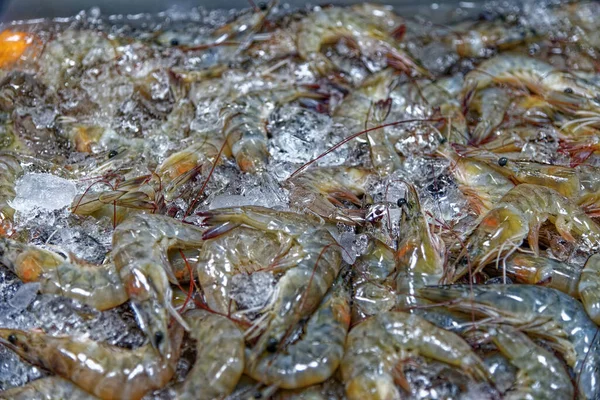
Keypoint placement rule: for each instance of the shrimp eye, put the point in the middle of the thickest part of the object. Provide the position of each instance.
(502, 161)
(272, 345)
(568, 90)
(158, 338)
(402, 202)
(257, 395)
(12, 338)
(262, 5)
(174, 42)
(112, 153)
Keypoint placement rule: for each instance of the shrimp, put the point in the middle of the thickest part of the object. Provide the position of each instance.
(482, 184)
(315, 355)
(15, 45)
(537, 76)
(322, 190)
(589, 287)
(106, 371)
(140, 246)
(373, 285)
(366, 108)
(50, 388)
(10, 171)
(491, 104)
(540, 374)
(519, 215)
(307, 272)
(330, 24)
(376, 346)
(98, 286)
(533, 270)
(219, 357)
(421, 254)
(539, 311)
(244, 125)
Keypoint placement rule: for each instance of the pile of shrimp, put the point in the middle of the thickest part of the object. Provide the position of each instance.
(498, 297)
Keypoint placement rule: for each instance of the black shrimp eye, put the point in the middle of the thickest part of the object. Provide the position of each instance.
(502, 161)
(112, 153)
(174, 42)
(262, 5)
(568, 90)
(158, 338)
(257, 395)
(272, 345)
(402, 202)
(12, 338)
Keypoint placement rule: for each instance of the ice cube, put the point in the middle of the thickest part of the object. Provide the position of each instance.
(42, 191)
(24, 296)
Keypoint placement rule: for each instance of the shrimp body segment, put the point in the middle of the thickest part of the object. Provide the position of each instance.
(10, 171)
(589, 287)
(377, 345)
(317, 354)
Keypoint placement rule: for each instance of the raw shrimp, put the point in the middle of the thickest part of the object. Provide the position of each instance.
(51, 388)
(589, 287)
(538, 76)
(534, 270)
(108, 372)
(10, 171)
(244, 125)
(518, 216)
(315, 355)
(421, 254)
(140, 246)
(373, 283)
(307, 272)
(539, 311)
(219, 357)
(98, 286)
(481, 183)
(370, 37)
(540, 374)
(376, 346)
(322, 190)
(241, 250)
(491, 104)
(367, 107)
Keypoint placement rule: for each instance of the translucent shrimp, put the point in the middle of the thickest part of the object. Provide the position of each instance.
(371, 38)
(421, 254)
(491, 104)
(98, 286)
(538, 76)
(10, 171)
(51, 388)
(140, 246)
(219, 357)
(589, 287)
(540, 374)
(316, 354)
(539, 311)
(518, 216)
(482, 184)
(244, 126)
(376, 346)
(367, 107)
(534, 270)
(106, 371)
(307, 272)
(322, 190)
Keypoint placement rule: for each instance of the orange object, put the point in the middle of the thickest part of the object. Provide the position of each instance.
(12, 46)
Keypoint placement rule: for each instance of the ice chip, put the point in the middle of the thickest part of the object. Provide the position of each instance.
(24, 296)
(43, 191)
(252, 291)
